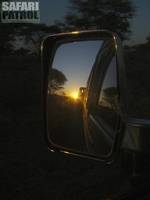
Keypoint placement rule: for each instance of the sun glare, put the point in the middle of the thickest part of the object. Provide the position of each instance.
(74, 95)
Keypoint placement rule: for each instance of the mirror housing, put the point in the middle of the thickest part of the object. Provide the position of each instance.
(48, 49)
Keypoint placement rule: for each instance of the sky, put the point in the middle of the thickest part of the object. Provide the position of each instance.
(75, 60)
(77, 68)
(141, 21)
(52, 10)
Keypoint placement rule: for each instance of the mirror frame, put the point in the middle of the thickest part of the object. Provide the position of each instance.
(49, 46)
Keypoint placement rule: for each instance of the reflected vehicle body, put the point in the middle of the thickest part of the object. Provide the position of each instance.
(101, 103)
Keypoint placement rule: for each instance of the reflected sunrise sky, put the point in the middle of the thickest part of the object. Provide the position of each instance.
(75, 61)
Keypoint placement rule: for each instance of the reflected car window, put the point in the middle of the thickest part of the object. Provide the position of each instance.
(109, 87)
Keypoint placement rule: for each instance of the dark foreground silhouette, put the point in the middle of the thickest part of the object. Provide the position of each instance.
(28, 169)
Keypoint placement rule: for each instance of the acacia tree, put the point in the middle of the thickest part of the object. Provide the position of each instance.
(56, 80)
(34, 33)
(29, 34)
(99, 14)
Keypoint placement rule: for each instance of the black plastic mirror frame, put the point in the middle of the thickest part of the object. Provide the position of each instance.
(52, 42)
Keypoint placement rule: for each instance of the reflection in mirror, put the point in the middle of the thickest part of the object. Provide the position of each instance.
(67, 84)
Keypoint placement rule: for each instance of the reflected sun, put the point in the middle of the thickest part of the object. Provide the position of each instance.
(74, 95)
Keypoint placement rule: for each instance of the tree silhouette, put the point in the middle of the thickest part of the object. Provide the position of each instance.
(110, 96)
(99, 14)
(30, 34)
(34, 33)
(6, 37)
(137, 58)
(56, 80)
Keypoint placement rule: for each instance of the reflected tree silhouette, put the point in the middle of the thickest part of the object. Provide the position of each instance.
(56, 80)
(110, 98)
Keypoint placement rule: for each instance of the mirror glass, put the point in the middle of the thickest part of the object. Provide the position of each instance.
(67, 93)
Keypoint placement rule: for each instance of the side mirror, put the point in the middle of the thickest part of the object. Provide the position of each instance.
(83, 102)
